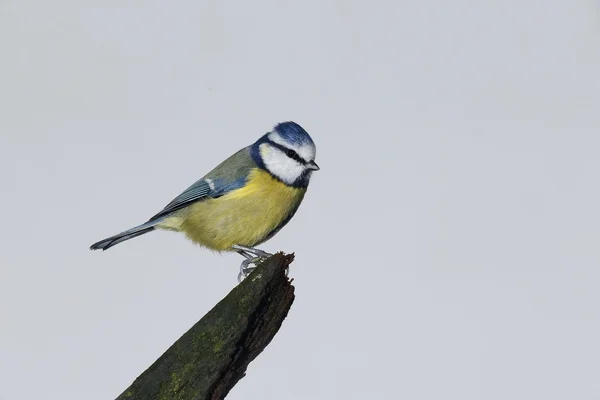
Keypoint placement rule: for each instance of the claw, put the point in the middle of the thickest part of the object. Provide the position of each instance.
(246, 269)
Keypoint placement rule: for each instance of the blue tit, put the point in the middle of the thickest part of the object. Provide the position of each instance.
(243, 201)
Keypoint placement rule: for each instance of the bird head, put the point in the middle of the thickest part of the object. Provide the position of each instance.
(288, 153)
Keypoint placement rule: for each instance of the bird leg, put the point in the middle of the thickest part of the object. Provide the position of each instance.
(257, 252)
(245, 254)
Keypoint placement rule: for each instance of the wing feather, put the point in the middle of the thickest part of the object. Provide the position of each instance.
(201, 190)
(230, 175)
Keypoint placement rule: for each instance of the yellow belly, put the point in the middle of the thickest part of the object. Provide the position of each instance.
(244, 216)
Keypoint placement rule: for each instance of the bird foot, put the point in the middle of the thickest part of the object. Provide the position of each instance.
(252, 256)
(246, 268)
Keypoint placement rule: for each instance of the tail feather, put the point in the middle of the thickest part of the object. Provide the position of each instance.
(123, 236)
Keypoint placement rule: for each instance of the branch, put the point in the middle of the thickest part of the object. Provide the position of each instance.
(210, 358)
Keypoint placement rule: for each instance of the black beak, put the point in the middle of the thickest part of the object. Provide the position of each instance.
(312, 166)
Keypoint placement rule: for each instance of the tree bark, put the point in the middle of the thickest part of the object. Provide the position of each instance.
(210, 358)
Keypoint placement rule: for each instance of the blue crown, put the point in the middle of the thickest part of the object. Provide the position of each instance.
(293, 133)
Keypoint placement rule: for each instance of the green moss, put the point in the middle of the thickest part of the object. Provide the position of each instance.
(175, 382)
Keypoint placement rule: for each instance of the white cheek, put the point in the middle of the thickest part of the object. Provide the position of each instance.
(281, 166)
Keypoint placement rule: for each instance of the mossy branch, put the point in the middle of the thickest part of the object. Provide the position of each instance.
(210, 358)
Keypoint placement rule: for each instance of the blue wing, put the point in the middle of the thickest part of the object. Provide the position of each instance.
(203, 189)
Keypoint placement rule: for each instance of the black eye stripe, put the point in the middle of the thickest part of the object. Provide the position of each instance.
(289, 152)
(293, 155)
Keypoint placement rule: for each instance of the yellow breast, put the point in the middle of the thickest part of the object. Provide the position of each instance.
(244, 216)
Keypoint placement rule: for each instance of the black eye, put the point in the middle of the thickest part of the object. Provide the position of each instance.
(291, 153)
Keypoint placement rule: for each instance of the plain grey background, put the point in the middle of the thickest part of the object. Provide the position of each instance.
(448, 248)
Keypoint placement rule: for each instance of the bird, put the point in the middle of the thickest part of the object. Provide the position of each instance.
(244, 201)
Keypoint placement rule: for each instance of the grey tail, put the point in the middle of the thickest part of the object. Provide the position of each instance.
(123, 236)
